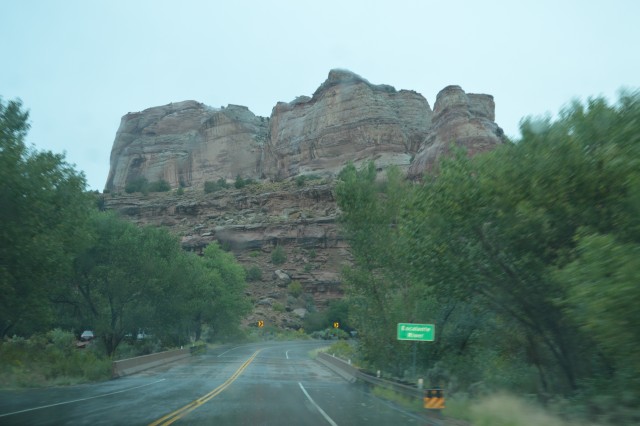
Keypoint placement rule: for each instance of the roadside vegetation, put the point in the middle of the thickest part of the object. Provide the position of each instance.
(525, 258)
(50, 358)
(66, 266)
(142, 185)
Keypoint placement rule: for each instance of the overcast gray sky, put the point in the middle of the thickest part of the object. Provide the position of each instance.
(79, 66)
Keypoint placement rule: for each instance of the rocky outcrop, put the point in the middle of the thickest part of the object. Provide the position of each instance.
(186, 144)
(459, 119)
(252, 222)
(346, 119)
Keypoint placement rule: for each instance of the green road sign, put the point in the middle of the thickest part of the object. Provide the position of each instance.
(423, 332)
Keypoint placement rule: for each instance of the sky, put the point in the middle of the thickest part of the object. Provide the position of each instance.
(79, 66)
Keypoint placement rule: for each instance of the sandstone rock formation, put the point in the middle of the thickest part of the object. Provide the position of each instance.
(186, 144)
(460, 119)
(346, 119)
(252, 222)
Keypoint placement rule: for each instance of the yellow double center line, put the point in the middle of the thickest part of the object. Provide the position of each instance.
(181, 412)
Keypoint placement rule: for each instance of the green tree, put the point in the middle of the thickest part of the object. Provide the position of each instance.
(124, 279)
(379, 289)
(222, 300)
(604, 295)
(495, 243)
(44, 207)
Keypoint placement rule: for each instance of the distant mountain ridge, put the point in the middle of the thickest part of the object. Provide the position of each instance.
(346, 119)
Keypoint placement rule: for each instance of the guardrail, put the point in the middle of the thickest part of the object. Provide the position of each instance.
(134, 365)
(351, 374)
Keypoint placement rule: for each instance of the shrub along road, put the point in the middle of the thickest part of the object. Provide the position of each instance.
(267, 383)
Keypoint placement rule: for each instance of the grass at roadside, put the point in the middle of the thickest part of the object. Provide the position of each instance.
(342, 349)
(49, 359)
(404, 401)
(313, 354)
(504, 410)
(493, 410)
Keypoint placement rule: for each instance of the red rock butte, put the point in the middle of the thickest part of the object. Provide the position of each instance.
(347, 119)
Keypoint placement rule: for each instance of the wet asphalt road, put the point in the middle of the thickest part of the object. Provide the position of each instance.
(275, 383)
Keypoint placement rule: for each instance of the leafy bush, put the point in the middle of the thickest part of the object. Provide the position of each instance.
(315, 321)
(342, 349)
(295, 288)
(278, 256)
(254, 273)
(136, 185)
(141, 184)
(241, 183)
(330, 334)
(51, 358)
(159, 186)
(211, 186)
(278, 307)
(338, 311)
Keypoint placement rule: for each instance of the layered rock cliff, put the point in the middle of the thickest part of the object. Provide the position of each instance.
(300, 220)
(347, 119)
(459, 119)
(186, 144)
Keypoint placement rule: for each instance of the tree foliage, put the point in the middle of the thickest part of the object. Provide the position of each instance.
(220, 301)
(536, 240)
(123, 279)
(44, 205)
(131, 278)
(65, 263)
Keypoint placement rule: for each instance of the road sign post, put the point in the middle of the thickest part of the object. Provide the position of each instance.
(419, 332)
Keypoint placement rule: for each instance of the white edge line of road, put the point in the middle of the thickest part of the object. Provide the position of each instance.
(325, 415)
(82, 399)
